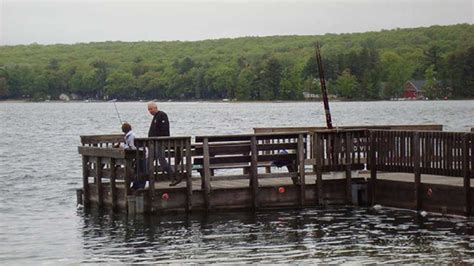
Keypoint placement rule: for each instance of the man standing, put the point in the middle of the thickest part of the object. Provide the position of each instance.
(160, 127)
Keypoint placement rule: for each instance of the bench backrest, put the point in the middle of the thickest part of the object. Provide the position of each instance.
(236, 149)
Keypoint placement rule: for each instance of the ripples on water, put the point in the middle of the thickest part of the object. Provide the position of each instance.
(40, 170)
(332, 235)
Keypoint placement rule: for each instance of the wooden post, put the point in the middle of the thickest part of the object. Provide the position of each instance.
(254, 171)
(467, 171)
(113, 188)
(318, 147)
(79, 198)
(128, 170)
(301, 173)
(416, 169)
(98, 178)
(348, 168)
(151, 172)
(373, 166)
(268, 169)
(189, 181)
(131, 204)
(85, 180)
(207, 173)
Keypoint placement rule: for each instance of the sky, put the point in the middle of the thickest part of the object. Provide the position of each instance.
(75, 21)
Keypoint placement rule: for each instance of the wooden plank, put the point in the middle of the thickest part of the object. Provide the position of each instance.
(98, 181)
(224, 160)
(416, 170)
(301, 170)
(102, 152)
(101, 139)
(113, 188)
(277, 175)
(151, 170)
(471, 168)
(230, 177)
(207, 174)
(466, 173)
(223, 138)
(226, 148)
(277, 146)
(189, 181)
(373, 165)
(254, 172)
(85, 179)
(247, 137)
(279, 156)
(319, 149)
(128, 168)
(348, 168)
(163, 139)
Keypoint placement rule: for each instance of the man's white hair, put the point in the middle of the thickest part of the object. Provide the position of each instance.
(151, 103)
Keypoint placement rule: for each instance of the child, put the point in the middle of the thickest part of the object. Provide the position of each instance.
(129, 137)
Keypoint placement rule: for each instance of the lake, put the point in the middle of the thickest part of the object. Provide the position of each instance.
(40, 170)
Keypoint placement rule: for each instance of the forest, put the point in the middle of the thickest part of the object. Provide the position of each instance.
(358, 66)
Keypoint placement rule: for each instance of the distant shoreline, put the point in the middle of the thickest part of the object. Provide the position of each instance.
(220, 101)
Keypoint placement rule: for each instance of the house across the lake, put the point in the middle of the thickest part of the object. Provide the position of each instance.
(413, 89)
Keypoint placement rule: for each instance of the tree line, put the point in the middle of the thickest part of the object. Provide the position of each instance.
(372, 65)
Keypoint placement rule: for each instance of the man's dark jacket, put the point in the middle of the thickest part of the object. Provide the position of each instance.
(160, 126)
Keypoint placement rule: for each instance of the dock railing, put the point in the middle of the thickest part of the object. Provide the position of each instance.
(422, 152)
(338, 150)
(110, 169)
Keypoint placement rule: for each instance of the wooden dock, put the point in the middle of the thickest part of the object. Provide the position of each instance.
(415, 167)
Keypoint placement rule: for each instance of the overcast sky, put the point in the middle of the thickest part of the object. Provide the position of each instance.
(73, 21)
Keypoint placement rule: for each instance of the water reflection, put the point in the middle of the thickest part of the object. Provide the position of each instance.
(318, 235)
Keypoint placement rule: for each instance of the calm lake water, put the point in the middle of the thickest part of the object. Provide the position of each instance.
(40, 170)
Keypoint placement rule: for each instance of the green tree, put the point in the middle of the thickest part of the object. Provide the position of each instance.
(290, 85)
(396, 72)
(139, 68)
(152, 85)
(244, 85)
(4, 91)
(461, 73)
(101, 72)
(431, 88)
(221, 80)
(347, 85)
(83, 83)
(121, 85)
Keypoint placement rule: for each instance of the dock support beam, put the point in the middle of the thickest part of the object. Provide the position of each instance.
(318, 146)
(254, 172)
(417, 170)
(113, 188)
(467, 172)
(85, 180)
(207, 174)
(98, 181)
(348, 168)
(189, 181)
(79, 199)
(301, 173)
(373, 167)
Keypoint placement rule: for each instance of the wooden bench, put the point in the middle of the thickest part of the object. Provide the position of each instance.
(235, 152)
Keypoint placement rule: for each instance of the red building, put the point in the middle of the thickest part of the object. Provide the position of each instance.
(413, 89)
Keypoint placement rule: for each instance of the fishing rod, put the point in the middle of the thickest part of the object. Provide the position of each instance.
(323, 87)
(118, 114)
